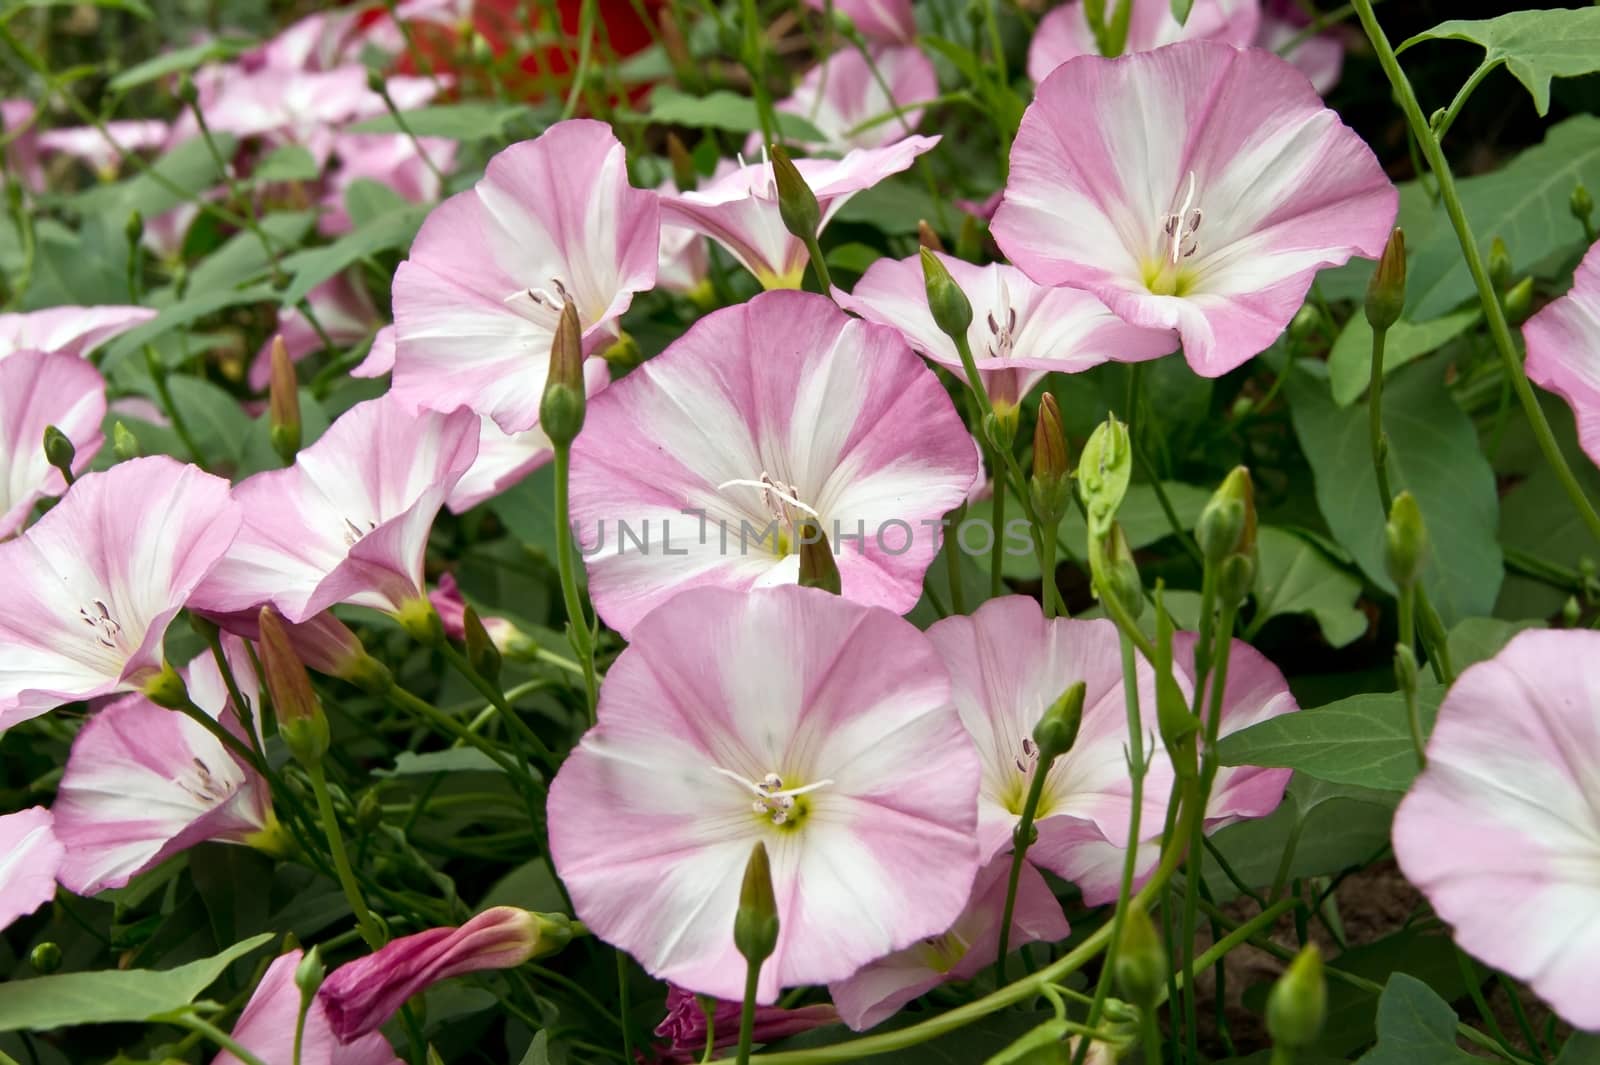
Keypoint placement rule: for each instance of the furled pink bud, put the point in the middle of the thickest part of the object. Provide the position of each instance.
(688, 1015)
(323, 642)
(360, 996)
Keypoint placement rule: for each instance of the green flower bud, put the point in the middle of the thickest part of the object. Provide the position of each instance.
(1114, 571)
(797, 204)
(369, 811)
(1571, 612)
(45, 958)
(561, 408)
(134, 228)
(301, 722)
(1057, 730)
(186, 91)
(1104, 470)
(1581, 204)
(1298, 1004)
(1499, 264)
(818, 567)
(1307, 323)
(1227, 524)
(1052, 471)
(1405, 668)
(59, 452)
(375, 81)
(1140, 968)
(952, 312)
(1518, 301)
(124, 445)
(1386, 293)
(1405, 541)
(755, 926)
(283, 404)
(482, 653)
(1235, 577)
(309, 974)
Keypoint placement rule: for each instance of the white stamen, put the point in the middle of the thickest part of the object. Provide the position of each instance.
(106, 629)
(771, 797)
(1182, 224)
(1005, 336)
(767, 486)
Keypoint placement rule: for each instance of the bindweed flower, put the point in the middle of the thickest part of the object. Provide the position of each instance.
(71, 330)
(30, 855)
(20, 136)
(1008, 664)
(1501, 831)
(877, 991)
(360, 996)
(1019, 330)
(452, 609)
(1064, 32)
(343, 310)
(380, 357)
(476, 305)
(143, 783)
(686, 1028)
(1564, 350)
(266, 1027)
(739, 208)
(787, 716)
(322, 642)
(92, 586)
(91, 147)
(349, 521)
(842, 93)
(38, 389)
(882, 21)
(1320, 56)
(394, 160)
(1202, 193)
(761, 416)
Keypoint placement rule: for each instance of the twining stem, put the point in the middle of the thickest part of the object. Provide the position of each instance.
(578, 630)
(341, 861)
(1493, 312)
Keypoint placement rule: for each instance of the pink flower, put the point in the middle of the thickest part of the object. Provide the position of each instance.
(343, 309)
(884, 21)
(1007, 665)
(266, 1027)
(30, 854)
(1019, 330)
(1319, 57)
(788, 716)
(685, 263)
(739, 208)
(322, 641)
(392, 160)
(92, 585)
(760, 417)
(1502, 832)
(143, 783)
(1564, 350)
(319, 41)
(841, 93)
(476, 305)
(36, 390)
(876, 993)
(686, 1029)
(1064, 32)
(349, 521)
(380, 357)
(1111, 198)
(361, 995)
(21, 137)
(73, 330)
(89, 145)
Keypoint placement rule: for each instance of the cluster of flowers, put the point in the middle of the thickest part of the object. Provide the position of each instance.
(1182, 195)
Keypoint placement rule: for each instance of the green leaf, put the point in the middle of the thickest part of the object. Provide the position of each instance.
(1433, 452)
(538, 1050)
(1476, 639)
(1350, 361)
(1581, 1049)
(181, 175)
(289, 163)
(1538, 518)
(312, 267)
(181, 314)
(1534, 45)
(1524, 203)
(178, 60)
(1364, 740)
(213, 417)
(242, 257)
(1415, 1025)
(449, 760)
(113, 996)
(461, 122)
(1293, 576)
(892, 206)
(722, 110)
(367, 200)
(528, 509)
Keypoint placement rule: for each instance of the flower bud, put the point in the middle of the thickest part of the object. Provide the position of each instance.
(124, 445)
(755, 926)
(1057, 731)
(1307, 323)
(133, 229)
(1571, 612)
(1104, 470)
(1115, 572)
(1386, 293)
(1235, 577)
(1052, 472)
(45, 958)
(1227, 524)
(166, 689)
(1405, 541)
(1499, 264)
(375, 80)
(562, 406)
(952, 312)
(1298, 1003)
(797, 204)
(927, 238)
(1140, 968)
(283, 404)
(684, 174)
(186, 91)
(818, 567)
(59, 452)
(1405, 668)
(482, 654)
(369, 811)
(309, 974)
(301, 722)
(1581, 204)
(1518, 301)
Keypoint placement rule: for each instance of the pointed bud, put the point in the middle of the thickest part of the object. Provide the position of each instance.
(1308, 322)
(186, 91)
(45, 958)
(1298, 1003)
(755, 926)
(482, 653)
(59, 452)
(301, 722)
(369, 812)
(1235, 577)
(124, 445)
(283, 404)
(375, 80)
(1227, 524)
(1571, 612)
(562, 406)
(1386, 293)
(1052, 471)
(1140, 968)
(797, 204)
(672, 40)
(1114, 571)
(1405, 541)
(133, 229)
(684, 174)
(1057, 731)
(1104, 470)
(1581, 204)
(1499, 264)
(1518, 301)
(818, 567)
(927, 238)
(1405, 668)
(309, 974)
(952, 312)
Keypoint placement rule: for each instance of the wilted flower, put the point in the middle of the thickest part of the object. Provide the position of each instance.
(1564, 350)
(788, 716)
(39, 389)
(266, 1027)
(1064, 31)
(842, 92)
(686, 1028)
(31, 855)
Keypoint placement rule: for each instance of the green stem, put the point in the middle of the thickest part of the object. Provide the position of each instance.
(580, 74)
(217, 1036)
(1494, 313)
(952, 562)
(747, 1011)
(1047, 569)
(1020, 840)
(1375, 435)
(234, 744)
(622, 1006)
(405, 128)
(997, 550)
(341, 860)
(158, 377)
(491, 691)
(578, 630)
(1408, 638)
(819, 266)
(1454, 110)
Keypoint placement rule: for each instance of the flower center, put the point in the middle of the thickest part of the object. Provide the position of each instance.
(1002, 330)
(104, 629)
(767, 189)
(1179, 242)
(784, 509)
(539, 303)
(353, 533)
(943, 953)
(202, 785)
(782, 806)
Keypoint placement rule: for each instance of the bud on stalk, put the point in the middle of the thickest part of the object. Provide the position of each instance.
(797, 204)
(301, 722)
(124, 445)
(482, 654)
(1104, 470)
(561, 408)
(1227, 524)
(1298, 1003)
(1057, 731)
(1582, 207)
(952, 312)
(818, 567)
(1052, 471)
(1405, 541)
(927, 238)
(1140, 968)
(1386, 293)
(59, 451)
(755, 925)
(1499, 264)
(283, 404)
